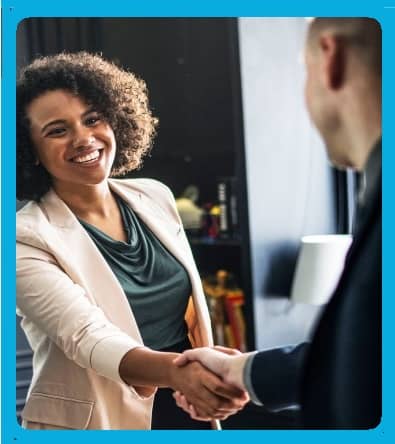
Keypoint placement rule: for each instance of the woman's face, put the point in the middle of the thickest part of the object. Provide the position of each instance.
(72, 141)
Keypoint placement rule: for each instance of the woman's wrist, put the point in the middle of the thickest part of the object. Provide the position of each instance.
(143, 366)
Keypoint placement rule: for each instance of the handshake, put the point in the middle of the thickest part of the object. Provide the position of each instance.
(213, 386)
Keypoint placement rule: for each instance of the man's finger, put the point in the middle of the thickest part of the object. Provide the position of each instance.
(181, 401)
(227, 350)
(189, 408)
(181, 360)
(187, 356)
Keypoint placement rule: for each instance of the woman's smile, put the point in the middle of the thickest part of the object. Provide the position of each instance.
(90, 158)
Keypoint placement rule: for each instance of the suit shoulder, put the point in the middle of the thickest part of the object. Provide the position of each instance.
(29, 214)
(30, 222)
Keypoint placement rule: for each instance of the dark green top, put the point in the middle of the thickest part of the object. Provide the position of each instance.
(155, 283)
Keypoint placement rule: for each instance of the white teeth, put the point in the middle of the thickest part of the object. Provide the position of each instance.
(92, 156)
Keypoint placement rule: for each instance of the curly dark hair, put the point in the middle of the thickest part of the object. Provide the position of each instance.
(118, 95)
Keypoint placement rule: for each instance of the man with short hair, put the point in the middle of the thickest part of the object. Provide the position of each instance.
(336, 379)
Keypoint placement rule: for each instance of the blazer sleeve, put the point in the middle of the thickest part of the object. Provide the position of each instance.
(60, 309)
(276, 374)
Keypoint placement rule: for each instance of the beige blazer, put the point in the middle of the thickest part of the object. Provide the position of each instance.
(77, 318)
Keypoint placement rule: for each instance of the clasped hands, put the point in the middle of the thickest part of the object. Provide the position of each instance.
(209, 382)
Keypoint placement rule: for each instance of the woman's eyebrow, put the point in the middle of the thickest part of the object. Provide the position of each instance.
(53, 122)
(88, 111)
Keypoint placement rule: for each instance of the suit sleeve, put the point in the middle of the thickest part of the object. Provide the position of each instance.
(275, 375)
(61, 309)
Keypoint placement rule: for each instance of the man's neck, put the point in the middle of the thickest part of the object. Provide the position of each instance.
(364, 123)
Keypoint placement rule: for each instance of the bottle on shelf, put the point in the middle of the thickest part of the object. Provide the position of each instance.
(227, 201)
(225, 301)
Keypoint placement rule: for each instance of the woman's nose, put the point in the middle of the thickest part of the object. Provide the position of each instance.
(82, 138)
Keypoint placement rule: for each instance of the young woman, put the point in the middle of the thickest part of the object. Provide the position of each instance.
(107, 287)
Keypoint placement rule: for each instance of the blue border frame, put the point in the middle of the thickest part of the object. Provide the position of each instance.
(12, 13)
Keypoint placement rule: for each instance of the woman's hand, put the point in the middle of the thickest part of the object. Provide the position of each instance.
(204, 395)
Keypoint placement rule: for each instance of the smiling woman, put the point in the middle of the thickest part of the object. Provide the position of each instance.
(119, 97)
(72, 141)
(107, 287)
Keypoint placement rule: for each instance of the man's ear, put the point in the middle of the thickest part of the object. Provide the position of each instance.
(332, 51)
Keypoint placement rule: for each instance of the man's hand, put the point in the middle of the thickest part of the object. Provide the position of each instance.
(211, 397)
(227, 363)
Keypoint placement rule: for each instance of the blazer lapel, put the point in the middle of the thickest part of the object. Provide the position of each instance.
(79, 257)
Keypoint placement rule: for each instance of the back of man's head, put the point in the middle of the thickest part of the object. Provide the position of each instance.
(343, 86)
(360, 35)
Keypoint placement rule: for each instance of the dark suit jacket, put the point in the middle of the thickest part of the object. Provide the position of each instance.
(336, 378)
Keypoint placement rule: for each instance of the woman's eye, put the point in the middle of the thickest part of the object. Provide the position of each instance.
(56, 132)
(92, 120)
